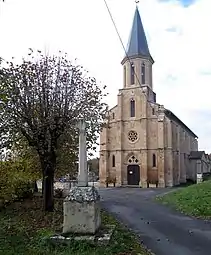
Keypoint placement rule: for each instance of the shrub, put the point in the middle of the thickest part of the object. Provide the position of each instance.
(15, 181)
(58, 193)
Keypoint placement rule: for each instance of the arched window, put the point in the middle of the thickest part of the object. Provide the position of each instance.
(132, 108)
(132, 74)
(153, 111)
(113, 161)
(143, 70)
(113, 116)
(150, 75)
(125, 70)
(153, 160)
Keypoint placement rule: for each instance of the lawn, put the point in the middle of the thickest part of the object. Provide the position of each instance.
(194, 200)
(24, 224)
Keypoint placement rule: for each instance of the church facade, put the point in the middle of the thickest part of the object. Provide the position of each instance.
(143, 143)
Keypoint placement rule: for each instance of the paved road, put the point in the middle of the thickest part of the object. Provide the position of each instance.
(161, 229)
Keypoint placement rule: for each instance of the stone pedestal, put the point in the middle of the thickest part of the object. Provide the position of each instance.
(82, 211)
(143, 184)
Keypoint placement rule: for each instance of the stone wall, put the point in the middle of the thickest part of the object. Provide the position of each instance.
(182, 143)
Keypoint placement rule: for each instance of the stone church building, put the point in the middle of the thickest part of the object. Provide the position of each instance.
(144, 143)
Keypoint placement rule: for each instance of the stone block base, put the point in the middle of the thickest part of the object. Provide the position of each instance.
(152, 185)
(82, 211)
(161, 184)
(102, 184)
(102, 237)
(169, 184)
(144, 184)
(110, 185)
(118, 185)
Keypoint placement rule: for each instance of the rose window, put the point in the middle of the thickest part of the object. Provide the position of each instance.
(132, 136)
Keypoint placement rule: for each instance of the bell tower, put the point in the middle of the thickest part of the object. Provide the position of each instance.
(137, 63)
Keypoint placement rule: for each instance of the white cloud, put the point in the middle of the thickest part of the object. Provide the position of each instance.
(84, 30)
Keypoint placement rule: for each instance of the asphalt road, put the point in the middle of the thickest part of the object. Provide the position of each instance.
(162, 230)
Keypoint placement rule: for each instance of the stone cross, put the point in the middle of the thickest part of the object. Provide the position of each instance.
(83, 171)
(82, 205)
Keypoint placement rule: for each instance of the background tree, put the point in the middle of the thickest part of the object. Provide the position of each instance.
(94, 166)
(42, 99)
(21, 152)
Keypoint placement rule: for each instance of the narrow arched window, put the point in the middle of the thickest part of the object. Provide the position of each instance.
(113, 161)
(113, 115)
(153, 111)
(143, 70)
(132, 108)
(153, 160)
(132, 74)
(125, 70)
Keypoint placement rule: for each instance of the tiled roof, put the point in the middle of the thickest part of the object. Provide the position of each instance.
(137, 44)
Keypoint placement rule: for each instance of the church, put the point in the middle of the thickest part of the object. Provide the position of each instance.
(143, 143)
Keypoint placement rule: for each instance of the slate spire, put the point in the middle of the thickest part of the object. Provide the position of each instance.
(137, 44)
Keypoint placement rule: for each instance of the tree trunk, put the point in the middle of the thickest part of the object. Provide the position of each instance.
(35, 186)
(43, 185)
(48, 162)
(48, 190)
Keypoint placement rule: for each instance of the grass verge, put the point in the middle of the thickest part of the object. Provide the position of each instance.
(24, 224)
(194, 200)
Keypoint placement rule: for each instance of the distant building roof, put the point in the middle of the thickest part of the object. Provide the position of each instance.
(196, 154)
(172, 116)
(137, 44)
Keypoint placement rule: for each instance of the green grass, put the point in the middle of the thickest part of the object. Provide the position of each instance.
(24, 224)
(194, 200)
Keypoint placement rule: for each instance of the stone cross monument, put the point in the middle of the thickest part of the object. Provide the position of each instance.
(83, 171)
(82, 205)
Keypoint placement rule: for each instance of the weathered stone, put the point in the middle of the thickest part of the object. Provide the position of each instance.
(151, 185)
(83, 194)
(102, 237)
(82, 211)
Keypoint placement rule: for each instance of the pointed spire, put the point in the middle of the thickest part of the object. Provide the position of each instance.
(137, 44)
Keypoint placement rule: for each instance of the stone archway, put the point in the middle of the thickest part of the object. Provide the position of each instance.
(133, 174)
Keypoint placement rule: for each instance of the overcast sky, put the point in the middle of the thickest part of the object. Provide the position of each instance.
(178, 33)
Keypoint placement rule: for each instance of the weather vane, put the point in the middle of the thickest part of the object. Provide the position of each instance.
(136, 1)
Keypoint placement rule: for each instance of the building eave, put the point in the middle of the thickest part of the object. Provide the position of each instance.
(131, 58)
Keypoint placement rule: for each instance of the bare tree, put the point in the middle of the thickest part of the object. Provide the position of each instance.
(42, 98)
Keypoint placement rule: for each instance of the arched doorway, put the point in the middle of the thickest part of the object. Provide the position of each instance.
(133, 174)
